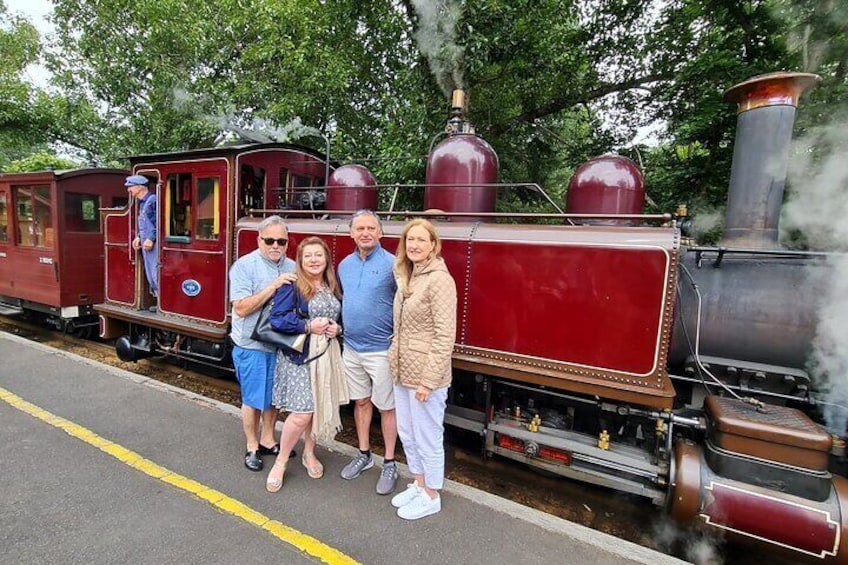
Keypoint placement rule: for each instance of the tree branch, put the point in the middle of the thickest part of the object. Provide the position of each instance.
(568, 101)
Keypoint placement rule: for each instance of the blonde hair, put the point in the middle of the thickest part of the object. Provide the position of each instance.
(403, 265)
(304, 285)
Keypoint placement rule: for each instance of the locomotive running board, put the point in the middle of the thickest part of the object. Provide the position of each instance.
(608, 468)
(162, 322)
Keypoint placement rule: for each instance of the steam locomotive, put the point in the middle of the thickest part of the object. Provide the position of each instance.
(603, 348)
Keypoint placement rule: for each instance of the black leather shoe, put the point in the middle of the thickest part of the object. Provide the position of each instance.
(252, 461)
(269, 450)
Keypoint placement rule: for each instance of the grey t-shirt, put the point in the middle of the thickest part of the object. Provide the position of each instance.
(249, 275)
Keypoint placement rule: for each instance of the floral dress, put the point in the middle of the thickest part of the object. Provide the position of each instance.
(292, 382)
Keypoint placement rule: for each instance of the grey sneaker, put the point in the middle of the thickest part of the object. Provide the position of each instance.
(355, 467)
(388, 479)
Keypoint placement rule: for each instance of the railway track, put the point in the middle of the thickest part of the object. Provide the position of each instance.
(624, 516)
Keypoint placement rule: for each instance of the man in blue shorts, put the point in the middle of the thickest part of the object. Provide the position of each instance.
(254, 279)
(369, 290)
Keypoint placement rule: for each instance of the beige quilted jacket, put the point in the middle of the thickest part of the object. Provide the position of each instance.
(425, 328)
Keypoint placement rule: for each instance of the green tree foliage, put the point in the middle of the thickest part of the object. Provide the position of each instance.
(551, 82)
(40, 161)
(21, 111)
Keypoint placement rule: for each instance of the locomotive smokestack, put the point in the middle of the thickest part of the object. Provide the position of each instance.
(458, 102)
(766, 114)
(457, 122)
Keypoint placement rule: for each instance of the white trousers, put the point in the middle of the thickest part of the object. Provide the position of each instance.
(421, 427)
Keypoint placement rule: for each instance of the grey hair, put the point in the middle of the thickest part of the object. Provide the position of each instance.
(365, 212)
(272, 221)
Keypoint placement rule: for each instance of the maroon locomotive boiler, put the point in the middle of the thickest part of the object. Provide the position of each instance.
(603, 350)
(51, 244)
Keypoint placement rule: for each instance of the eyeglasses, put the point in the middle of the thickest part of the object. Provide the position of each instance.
(281, 241)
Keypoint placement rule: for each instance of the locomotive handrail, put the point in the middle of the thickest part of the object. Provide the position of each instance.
(722, 251)
(438, 213)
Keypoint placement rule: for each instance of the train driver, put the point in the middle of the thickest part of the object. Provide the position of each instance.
(145, 238)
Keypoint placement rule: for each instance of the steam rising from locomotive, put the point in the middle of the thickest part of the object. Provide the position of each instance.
(436, 39)
(817, 208)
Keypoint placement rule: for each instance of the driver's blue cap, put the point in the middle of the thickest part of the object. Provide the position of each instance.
(136, 180)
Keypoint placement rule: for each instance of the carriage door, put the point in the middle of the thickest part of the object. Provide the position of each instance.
(192, 252)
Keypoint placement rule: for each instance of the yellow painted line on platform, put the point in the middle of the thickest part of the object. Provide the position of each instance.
(289, 535)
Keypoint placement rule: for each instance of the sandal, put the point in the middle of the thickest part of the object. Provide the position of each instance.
(273, 484)
(315, 471)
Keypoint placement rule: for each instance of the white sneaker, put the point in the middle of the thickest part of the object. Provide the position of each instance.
(405, 497)
(420, 506)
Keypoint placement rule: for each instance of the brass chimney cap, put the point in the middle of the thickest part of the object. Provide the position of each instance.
(771, 89)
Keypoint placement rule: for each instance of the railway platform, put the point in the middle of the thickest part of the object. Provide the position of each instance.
(99, 465)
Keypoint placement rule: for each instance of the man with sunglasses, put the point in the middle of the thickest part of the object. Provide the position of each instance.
(254, 279)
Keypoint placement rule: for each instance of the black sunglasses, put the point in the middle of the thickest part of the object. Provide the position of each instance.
(281, 241)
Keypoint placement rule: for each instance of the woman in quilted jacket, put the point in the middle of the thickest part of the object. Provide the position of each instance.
(420, 358)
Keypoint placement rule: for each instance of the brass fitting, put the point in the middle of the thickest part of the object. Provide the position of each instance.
(603, 440)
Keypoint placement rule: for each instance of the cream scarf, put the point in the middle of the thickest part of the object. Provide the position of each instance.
(329, 387)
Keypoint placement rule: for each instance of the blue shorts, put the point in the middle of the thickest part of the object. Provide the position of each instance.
(255, 374)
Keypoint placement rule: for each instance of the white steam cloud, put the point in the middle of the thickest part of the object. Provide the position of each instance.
(818, 208)
(436, 38)
(698, 546)
(264, 131)
(233, 125)
(706, 220)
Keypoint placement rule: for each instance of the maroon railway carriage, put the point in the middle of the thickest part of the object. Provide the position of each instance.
(51, 243)
(200, 195)
(582, 348)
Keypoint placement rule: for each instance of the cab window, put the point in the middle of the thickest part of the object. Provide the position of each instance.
(252, 189)
(34, 216)
(191, 208)
(177, 199)
(208, 217)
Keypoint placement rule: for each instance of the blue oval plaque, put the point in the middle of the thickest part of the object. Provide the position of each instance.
(191, 287)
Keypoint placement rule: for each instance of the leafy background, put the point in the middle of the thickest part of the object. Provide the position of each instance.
(551, 82)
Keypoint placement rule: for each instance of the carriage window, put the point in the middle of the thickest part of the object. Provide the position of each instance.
(4, 218)
(208, 218)
(81, 212)
(177, 199)
(35, 227)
